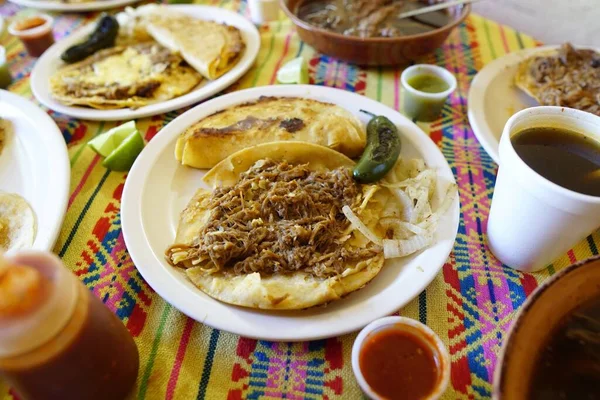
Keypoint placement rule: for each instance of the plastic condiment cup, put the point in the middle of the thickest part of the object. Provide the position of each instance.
(37, 39)
(262, 11)
(420, 105)
(418, 329)
(532, 220)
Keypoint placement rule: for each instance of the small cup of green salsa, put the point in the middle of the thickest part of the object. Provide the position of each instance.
(425, 89)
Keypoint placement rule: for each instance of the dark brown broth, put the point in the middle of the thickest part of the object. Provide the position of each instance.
(564, 157)
(569, 366)
(370, 18)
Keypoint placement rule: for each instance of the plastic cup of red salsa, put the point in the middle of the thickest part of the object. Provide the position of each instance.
(400, 358)
(35, 32)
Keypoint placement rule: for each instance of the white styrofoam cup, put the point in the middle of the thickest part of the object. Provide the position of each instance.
(262, 11)
(532, 220)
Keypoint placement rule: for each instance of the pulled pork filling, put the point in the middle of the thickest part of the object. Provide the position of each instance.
(569, 79)
(278, 218)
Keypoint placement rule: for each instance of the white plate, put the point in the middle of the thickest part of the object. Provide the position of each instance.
(35, 164)
(494, 98)
(50, 62)
(158, 188)
(49, 5)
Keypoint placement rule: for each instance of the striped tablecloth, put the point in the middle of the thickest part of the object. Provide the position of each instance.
(470, 304)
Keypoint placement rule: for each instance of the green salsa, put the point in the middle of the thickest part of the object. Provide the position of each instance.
(428, 83)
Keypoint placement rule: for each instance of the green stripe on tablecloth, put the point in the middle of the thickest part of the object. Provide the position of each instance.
(208, 362)
(271, 45)
(82, 215)
(152, 357)
(520, 40)
(489, 38)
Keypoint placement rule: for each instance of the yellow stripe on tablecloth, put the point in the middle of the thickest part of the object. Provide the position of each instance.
(194, 360)
(150, 380)
(163, 362)
(219, 381)
(485, 47)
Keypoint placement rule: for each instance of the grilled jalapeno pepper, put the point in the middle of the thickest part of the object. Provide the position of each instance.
(104, 36)
(382, 150)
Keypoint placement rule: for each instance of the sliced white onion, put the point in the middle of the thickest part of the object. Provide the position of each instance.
(422, 207)
(362, 228)
(405, 201)
(403, 248)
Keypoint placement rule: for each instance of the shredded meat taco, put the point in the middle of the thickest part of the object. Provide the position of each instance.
(276, 237)
(566, 77)
(285, 226)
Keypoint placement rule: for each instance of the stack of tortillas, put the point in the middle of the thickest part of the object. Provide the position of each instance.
(17, 222)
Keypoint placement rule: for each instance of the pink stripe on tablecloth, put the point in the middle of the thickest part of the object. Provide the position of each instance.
(183, 343)
(83, 180)
(285, 51)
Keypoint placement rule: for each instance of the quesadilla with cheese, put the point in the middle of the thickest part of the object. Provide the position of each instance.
(127, 76)
(211, 48)
(272, 233)
(270, 119)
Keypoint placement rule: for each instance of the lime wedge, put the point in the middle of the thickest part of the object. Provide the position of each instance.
(105, 143)
(122, 158)
(294, 71)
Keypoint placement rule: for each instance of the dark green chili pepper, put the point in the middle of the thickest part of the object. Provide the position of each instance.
(382, 150)
(103, 37)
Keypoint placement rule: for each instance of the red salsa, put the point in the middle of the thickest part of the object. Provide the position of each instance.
(30, 23)
(35, 39)
(399, 365)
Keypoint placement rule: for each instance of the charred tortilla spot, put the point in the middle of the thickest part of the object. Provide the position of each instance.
(292, 124)
(147, 89)
(242, 126)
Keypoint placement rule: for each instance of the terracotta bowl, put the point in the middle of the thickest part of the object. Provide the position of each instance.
(538, 318)
(374, 51)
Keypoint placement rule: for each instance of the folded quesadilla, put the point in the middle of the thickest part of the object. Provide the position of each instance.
(211, 48)
(270, 119)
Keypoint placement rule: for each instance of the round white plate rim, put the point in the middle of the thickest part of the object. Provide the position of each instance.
(43, 68)
(60, 174)
(78, 7)
(164, 284)
(476, 97)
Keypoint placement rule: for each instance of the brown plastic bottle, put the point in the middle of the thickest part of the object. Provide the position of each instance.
(58, 341)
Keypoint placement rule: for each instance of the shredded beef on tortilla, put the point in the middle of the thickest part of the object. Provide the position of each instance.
(278, 218)
(569, 79)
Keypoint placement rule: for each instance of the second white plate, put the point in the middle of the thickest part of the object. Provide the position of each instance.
(158, 188)
(35, 165)
(494, 98)
(50, 62)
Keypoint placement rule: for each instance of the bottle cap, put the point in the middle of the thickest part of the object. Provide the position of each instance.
(37, 299)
